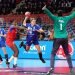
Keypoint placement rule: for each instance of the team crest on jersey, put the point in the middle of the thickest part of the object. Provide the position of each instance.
(61, 21)
(60, 53)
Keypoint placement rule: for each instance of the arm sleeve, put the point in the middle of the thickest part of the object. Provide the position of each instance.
(49, 14)
(38, 27)
(27, 24)
(71, 16)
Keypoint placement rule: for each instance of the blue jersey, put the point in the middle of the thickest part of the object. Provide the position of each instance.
(2, 31)
(32, 30)
(32, 34)
(2, 39)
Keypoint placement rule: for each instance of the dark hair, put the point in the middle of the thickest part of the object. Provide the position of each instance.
(59, 12)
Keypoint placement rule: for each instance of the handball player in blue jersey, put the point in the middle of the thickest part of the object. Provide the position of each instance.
(2, 44)
(32, 36)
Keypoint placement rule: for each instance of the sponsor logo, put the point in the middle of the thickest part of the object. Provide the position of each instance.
(60, 53)
(33, 50)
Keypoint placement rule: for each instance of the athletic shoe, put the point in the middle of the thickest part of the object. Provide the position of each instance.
(72, 72)
(42, 60)
(8, 63)
(50, 71)
(14, 66)
(21, 44)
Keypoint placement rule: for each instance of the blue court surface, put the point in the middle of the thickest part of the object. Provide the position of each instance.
(29, 64)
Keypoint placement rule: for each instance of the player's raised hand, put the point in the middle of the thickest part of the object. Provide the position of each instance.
(27, 14)
(44, 7)
(73, 9)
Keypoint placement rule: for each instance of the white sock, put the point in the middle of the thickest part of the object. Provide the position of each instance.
(11, 59)
(15, 60)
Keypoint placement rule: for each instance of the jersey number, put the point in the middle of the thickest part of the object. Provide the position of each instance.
(61, 26)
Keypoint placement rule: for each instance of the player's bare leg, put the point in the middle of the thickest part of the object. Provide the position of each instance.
(40, 53)
(14, 56)
(5, 53)
(1, 59)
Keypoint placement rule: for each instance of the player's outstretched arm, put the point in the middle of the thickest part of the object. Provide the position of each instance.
(40, 30)
(3, 35)
(48, 12)
(72, 15)
(22, 34)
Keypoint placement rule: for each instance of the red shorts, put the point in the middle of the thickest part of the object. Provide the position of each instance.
(10, 43)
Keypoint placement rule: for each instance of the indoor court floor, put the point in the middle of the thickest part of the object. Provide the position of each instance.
(31, 67)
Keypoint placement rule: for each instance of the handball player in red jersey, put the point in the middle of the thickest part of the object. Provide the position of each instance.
(10, 38)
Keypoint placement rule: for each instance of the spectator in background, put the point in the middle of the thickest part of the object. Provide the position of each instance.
(70, 37)
(41, 36)
(39, 20)
(51, 34)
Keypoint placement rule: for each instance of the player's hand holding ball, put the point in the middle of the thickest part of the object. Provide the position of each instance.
(27, 14)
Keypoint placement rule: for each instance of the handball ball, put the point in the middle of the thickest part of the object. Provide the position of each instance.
(27, 14)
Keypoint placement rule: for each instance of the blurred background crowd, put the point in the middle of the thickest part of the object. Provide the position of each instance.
(14, 10)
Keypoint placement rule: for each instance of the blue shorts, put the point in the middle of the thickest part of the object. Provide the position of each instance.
(32, 41)
(2, 44)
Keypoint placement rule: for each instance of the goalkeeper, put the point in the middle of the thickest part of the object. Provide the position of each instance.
(60, 36)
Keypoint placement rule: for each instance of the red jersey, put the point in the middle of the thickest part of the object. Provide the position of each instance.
(11, 34)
